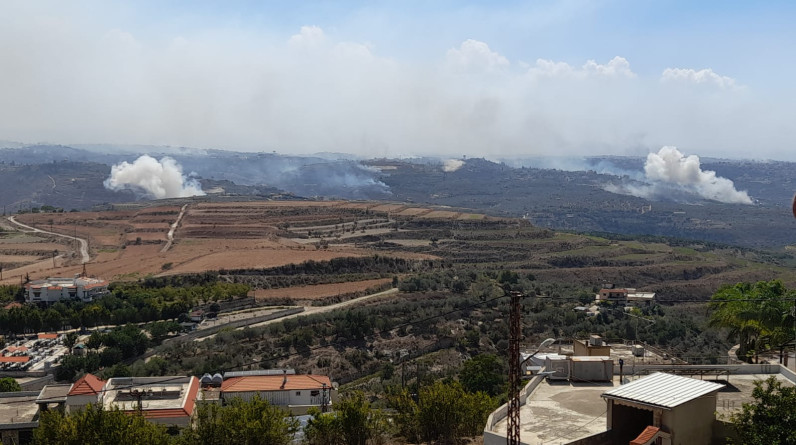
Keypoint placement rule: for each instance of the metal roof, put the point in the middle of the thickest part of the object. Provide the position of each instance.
(662, 389)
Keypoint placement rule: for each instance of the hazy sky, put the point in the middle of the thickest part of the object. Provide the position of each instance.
(497, 78)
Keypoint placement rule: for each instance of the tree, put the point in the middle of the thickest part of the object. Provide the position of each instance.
(322, 428)
(772, 416)
(387, 371)
(484, 372)
(756, 315)
(94, 341)
(8, 384)
(255, 422)
(444, 413)
(359, 424)
(70, 339)
(96, 425)
(353, 422)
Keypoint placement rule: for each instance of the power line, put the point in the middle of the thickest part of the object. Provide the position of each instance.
(407, 324)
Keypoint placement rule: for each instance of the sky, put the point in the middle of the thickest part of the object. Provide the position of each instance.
(404, 78)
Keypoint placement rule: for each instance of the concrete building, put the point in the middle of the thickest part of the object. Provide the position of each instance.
(19, 416)
(624, 296)
(295, 392)
(167, 400)
(661, 405)
(591, 369)
(594, 347)
(52, 290)
(680, 410)
(163, 400)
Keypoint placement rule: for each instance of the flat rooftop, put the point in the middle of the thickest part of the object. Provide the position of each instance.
(559, 412)
(18, 407)
(618, 350)
(156, 393)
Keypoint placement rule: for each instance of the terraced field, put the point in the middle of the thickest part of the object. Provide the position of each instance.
(126, 244)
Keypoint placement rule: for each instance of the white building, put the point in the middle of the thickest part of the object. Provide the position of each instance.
(164, 400)
(625, 296)
(52, 290)
(295, 392)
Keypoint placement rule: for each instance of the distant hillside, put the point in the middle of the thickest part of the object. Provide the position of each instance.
(577, 200)
(68, 185)
(565, 200)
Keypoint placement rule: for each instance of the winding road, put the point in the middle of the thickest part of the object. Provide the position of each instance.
(85, 258)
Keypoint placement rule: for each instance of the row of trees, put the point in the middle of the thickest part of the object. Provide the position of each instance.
(759, 316)
(127, 303)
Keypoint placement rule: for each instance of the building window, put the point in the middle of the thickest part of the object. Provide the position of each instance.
(298, 393)
(315, 393)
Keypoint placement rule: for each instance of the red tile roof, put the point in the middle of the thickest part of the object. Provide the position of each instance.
(47, 336)
(92, 286)
(647, 435)
(17, 348)
(12, 305)
(88, 385)
(17, 359)
(274, 383)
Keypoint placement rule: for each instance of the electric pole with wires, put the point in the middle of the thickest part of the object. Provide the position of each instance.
(515, 331)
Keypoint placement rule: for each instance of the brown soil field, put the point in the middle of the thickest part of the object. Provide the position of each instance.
(257, 259)
(32, 247)
(443, 214)
(145, 236)
(211, 236)
(414, 211)
(318, 291)
(356, 205)
(19, 258)
(465, 216)
(388, 208)
(150, 225)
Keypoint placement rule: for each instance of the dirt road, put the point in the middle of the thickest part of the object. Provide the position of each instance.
(83, 243)
(170, 235)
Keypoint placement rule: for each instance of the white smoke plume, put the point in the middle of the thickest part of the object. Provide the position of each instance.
(157, 179)
(451, 165)
(670, 174)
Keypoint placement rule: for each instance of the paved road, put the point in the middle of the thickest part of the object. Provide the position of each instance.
(170, 235)
(83, 243)
(309, 310)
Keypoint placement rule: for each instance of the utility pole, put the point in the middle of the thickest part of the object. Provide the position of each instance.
(324, 402)
(513, 427)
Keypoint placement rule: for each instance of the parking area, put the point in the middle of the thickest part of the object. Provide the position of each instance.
(32, 353)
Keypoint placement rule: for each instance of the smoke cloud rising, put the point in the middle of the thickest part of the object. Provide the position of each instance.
(451, 165)
(156, 179)
(669, 174)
